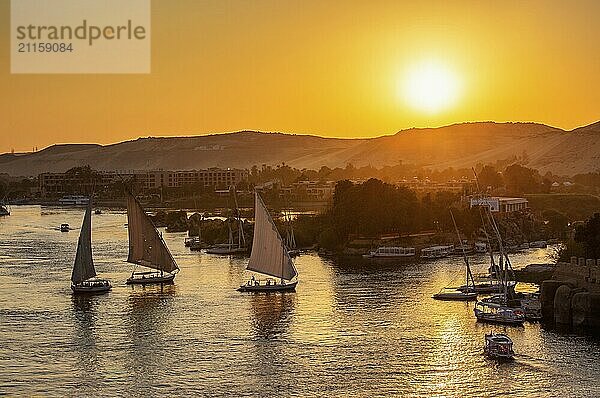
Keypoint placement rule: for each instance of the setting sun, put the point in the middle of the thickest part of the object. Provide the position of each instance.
(430, 87)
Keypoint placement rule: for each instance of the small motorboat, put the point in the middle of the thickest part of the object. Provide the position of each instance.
(98, 211)
(188, 242)
(4, 210)
(64, 227)
(498, 346)
(91, 286)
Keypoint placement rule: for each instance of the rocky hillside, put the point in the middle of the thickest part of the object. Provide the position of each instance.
(460, 145)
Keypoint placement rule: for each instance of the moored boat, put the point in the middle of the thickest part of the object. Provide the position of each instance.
(232, 247)
(539, 244)
(469, 293)
(226, 249)
(4, 210)
(498, 313)
(392, 252)
(65, 227)
(74, 200)
(463, 248)
(434, 252)
(83, 277)
(269, 255)
(189, 241)
(455, 295)
(147, 248)
(481, 247)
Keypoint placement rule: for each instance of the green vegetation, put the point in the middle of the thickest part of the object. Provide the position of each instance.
(586, 242)
(574, 206)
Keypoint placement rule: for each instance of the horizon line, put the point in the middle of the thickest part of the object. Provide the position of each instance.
(295, 134)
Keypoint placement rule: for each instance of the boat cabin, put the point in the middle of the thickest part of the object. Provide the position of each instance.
(498, 346)
(437, 251)
(498, 313)
(393, 251)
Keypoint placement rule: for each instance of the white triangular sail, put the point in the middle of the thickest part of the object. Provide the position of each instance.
(146, 246)
(83, 269)
(269, 255)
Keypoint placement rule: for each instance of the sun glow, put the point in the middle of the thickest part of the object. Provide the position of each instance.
(430, 87)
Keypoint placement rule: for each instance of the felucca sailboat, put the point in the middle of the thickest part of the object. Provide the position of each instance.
(269, 255)
(457, 295)
(83, 278)
(147, 247)
(231, 247)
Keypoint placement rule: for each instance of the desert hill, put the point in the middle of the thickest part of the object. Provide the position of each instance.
(460, 145)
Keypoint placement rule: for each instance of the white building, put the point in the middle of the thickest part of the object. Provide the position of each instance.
(499, 204)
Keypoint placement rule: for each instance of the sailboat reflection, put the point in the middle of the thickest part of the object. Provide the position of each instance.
(88, 364)
(273, 313)
(149, 311)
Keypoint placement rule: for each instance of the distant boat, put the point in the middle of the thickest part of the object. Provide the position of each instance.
(455, 295)
(147, 248)
(231, 247)
(195, 243)
(467, 294)
(497, 309)
(498, 346)
(74, 200)
(190, 240)
(98, 211)
(269, 255)
(4, 210)
(463, 248)
(65, 227)
(481, 247)
(538, 244)
(83, 278)
(498, 313)
(434, 252)
(290, 238)
(392, 252)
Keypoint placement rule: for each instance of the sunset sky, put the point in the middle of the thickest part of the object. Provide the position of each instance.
(330, 68)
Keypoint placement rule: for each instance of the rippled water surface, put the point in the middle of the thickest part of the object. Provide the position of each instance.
(349, 330)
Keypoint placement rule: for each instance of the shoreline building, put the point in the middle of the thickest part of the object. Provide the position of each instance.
(499, 204)
(57, 184)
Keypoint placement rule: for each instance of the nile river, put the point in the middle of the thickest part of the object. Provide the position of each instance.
(350, 330)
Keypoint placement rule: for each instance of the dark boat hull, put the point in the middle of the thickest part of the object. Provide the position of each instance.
(289, 287)
(85, 289)
(225, 252)
(500, 320)
(455, 296)
(150, 280)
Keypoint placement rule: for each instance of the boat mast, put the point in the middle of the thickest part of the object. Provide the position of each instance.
(503, 273)
(469, 275)
(240, 228)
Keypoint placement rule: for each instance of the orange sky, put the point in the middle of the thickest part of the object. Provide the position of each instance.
(320, 67)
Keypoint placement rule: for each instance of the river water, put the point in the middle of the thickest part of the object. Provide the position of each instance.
(350, 329)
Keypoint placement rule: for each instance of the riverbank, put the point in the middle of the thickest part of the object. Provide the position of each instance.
(572, 297)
